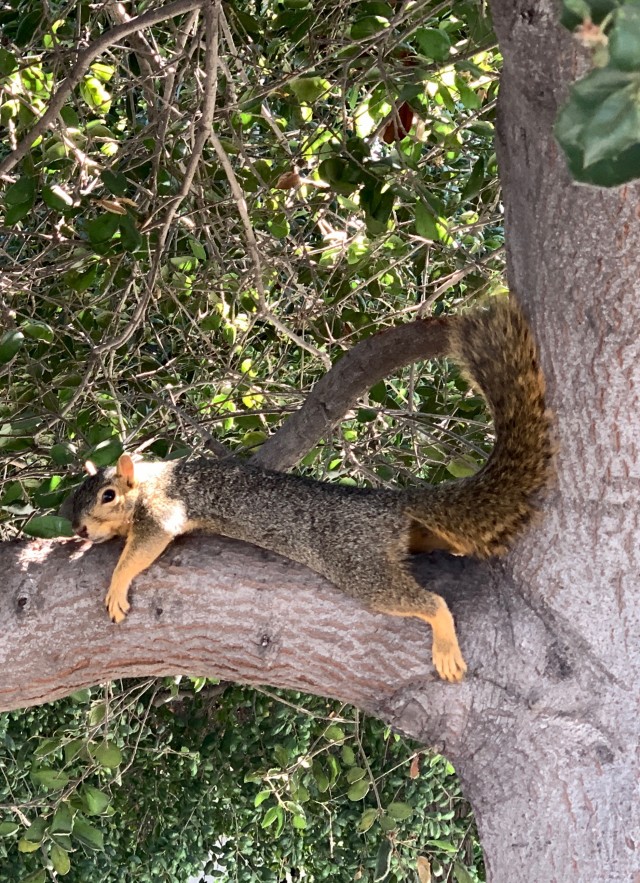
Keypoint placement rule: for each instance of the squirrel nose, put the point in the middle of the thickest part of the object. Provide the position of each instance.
(82, 531)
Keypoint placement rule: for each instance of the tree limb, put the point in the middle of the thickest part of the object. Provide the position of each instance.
(368, 362)
(220, 608)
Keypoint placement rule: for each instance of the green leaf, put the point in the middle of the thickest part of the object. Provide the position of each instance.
(22, 192)
(355, 773)
(62, 822)
(248, 22)
(52, 780)
(36, 831)
(8, 62)
(87, 834)
(62, 454)
(103, 72)
(261, 796)
(29, 24)
(461, 874)
(81, 281)
(348, 756)
(38, 330)
(614, 126)
(199, 251)
(115, 182)
(16, 213)
(624, 38)
(36, 877)
(309, 89)
(108, 755)
(60, 860)
(97, 713)
(27, 846)
(271, 815)
(359, 790)
(7, 829)
(579, 8)
(334, 733)
(571, 130)
(462, 467)
(47, 527)
(469, 98)
(129, 235)
(105, 452)
(433, 43)
(475, 181)
(57, 198)
(320, 777)
(102, 228)
(95, 801)
(399, 811)
(279, 226)
(94, 93)
(63, 841)
(444, 845)
(426, 224)
(367, 819)
(10, 343)
(368, 26)
(73, 748)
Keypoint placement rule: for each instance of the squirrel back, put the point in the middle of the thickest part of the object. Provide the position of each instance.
(481, 515)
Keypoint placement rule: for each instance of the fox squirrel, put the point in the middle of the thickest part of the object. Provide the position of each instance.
(359, 538)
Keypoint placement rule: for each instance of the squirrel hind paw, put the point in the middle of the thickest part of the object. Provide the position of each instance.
(448, 661)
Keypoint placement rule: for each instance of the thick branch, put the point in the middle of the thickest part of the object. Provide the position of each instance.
(216, 607)
(368, 362)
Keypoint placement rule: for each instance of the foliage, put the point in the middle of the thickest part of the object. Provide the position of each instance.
(599, 127)
(160, 288)
(139, 784)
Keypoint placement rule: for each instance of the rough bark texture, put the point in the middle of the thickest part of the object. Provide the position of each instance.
(554, 781)
(545, 730)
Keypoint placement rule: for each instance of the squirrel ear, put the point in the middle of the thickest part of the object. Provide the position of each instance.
(89, 467)
(125, 469)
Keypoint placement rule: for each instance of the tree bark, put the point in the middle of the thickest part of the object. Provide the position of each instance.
(553, 774)
(545, 729)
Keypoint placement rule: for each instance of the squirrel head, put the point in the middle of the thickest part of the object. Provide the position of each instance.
(102, 506)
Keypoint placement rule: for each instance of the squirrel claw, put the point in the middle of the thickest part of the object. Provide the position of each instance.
(117, 607)
(448, 662)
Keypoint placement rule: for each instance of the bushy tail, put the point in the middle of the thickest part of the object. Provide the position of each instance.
(481, 514)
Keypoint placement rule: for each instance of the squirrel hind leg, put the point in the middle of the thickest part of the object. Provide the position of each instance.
(446, 654)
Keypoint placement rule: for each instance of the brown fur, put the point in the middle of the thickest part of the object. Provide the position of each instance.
(359, 538)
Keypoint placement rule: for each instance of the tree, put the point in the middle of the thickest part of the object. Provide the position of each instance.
(544, 731)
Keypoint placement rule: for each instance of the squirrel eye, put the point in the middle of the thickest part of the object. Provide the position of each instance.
(108, 496)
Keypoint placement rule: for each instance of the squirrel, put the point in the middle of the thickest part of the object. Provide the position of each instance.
(358, 538)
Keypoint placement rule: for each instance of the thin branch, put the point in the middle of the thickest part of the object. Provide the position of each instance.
(254, 253)
(203, 128)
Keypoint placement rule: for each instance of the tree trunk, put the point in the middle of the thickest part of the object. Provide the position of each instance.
(550, 757)
(545, 729)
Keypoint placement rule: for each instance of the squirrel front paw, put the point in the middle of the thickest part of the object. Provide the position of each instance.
(448, 661)
(117, 604)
